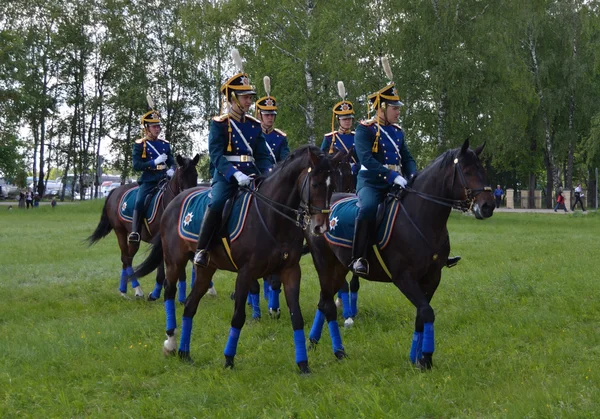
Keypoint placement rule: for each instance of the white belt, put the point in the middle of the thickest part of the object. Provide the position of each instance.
(394, 167)
(242, 159)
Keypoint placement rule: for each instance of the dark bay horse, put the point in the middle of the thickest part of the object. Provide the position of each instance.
(295, 196)
(185, 177)
(417, 249)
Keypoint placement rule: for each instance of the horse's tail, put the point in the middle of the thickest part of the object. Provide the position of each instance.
(104, 227)
(154, 259)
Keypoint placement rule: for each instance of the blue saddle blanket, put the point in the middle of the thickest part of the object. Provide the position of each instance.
(343, 215)
(128, 202)
(194, 206)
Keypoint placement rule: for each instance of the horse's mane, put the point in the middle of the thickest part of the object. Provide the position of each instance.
(301, 151)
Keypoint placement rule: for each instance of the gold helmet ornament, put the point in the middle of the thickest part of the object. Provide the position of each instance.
(267, 104)
(152, 117)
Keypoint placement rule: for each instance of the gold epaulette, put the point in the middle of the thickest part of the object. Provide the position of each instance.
(368, 122)
(352, 132)
(221, 118)
(397, 126)
(163, 140)
(140, 140)
(251, 118)
(330, 134)
(280, 132)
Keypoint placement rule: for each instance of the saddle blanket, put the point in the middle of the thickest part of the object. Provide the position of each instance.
(343, 215)
(192, 211)
(128, 202)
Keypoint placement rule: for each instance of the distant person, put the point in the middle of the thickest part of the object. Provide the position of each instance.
(22, 199)
(578, 195)
(36, 200)
(29, 198)
(560, 201)
(498, 194)
(53, 202)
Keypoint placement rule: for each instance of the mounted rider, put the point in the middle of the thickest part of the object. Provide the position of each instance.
(237, 151)
(383, 156)
(343, 138)
(152, 156)
(266, 112)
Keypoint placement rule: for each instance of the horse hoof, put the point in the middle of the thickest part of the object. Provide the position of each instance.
(340, 355)
(304, 369)
(151, 297)
(185, 357)
(425, 363)
(275, 314)
(338, 302)
(229, 362)
(312, 344)
(168, 352)
(182, 303)
(349, 322)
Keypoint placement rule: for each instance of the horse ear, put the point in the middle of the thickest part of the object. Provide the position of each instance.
(337, 158)
(180, 161)
(196, 159)
(314, 158)
(479, 149)
(465, 146)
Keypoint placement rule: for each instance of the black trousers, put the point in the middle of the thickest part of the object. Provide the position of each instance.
(578, 199)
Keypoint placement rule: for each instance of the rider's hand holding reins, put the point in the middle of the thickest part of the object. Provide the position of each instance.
(160, 159)
(242, 179)
(170, 173)
(400, 181)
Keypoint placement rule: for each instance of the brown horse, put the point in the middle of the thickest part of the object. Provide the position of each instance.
(417, 248)
(292, 198)
(185, 177)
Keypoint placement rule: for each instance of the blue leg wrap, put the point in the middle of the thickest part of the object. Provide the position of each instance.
(340, 294)
(231, 347)
(194, 279)
(347, 310)
(428, 339)
(255, 299)
(134, 281)
(336, 338)
(267, 290)
(353, 304)
(123, 282)
(181, 291)
(317, 327)
(157, 290)
(249, 300)
(211, 284)
(300, 343)
(274, 299)
(170, 311)
(416, 350)
(186, 334)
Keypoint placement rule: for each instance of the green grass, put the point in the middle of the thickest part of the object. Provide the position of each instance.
(517, 333)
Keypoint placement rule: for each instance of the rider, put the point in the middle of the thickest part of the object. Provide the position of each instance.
(343, 138)
(237, 150)
(152, 156)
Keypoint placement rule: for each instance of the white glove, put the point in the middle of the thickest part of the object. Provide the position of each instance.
(241, 178)
(170, 173)
(399, 180)
(160, 159)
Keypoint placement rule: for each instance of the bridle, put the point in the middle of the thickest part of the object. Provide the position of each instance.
(463, 205)
(301, 215)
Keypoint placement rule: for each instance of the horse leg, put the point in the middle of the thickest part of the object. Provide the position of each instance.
(242, 285)
(254, 299)
(127, 269)
(343, 299)
(290, 277)
(132, 249)
(191, 306)
(275, 286)
(354, 287)
(173, 272)
(423, 337)
(158, 286)
(267, 288)
(181, 286)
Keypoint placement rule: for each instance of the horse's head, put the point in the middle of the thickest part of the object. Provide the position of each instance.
(469, 181)
(186, 175)
(342, 178)
(316, 189)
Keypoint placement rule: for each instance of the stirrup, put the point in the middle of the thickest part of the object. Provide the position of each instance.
(452, 261)
(356, 267)
(202, 258)
(134, 237)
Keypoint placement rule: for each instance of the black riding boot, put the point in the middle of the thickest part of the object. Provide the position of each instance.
(210, 224)
(360, 246)
(136, 227)
(452, 261)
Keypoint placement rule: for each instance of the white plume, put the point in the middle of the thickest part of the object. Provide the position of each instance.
(267, 83)
(237, 59)
(386, 67)
(342, 90)
(150, 101)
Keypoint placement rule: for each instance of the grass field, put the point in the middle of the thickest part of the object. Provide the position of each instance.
(517, 333)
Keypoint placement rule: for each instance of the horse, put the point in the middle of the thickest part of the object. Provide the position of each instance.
(417, 247)
(185, 177)
(290, 199)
